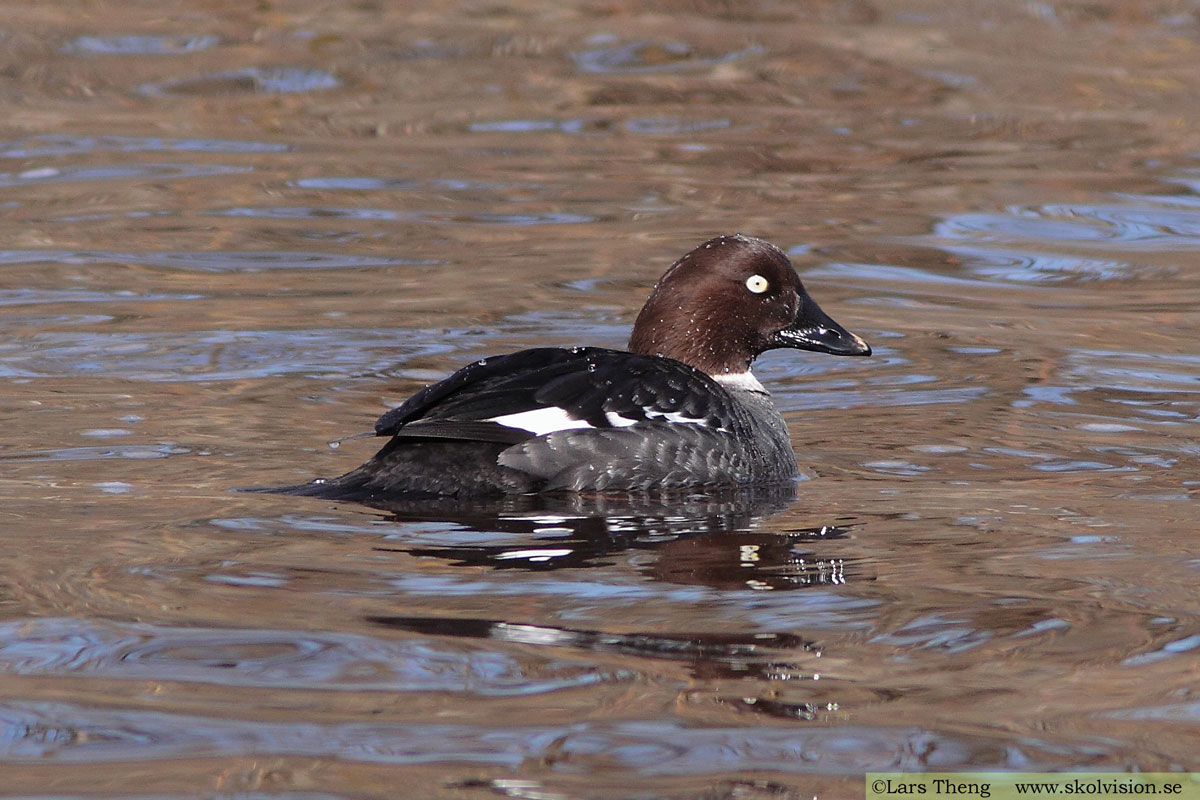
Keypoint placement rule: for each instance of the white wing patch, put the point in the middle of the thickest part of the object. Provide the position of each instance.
(618, 421)
(675, 416)
(540, 421)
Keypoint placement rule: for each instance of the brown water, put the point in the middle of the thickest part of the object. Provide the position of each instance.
(232, 234)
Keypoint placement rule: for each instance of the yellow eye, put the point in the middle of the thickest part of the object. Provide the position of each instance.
(757, 284)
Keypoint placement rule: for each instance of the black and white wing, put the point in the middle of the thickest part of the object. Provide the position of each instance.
(582, 420)
(585, 418)
(515, 397)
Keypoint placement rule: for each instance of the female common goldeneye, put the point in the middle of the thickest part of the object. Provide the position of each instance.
(679, 409)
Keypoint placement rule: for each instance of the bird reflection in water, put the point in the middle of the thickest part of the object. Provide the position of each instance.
(714, 539)
(719, 540)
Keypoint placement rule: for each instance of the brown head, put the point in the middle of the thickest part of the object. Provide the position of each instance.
(729, 300)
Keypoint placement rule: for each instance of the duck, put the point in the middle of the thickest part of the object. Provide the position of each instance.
(679, 409)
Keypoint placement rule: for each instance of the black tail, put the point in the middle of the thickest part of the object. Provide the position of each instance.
(354, 485)
(414, 469)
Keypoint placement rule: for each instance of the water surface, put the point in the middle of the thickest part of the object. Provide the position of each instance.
(232, 236)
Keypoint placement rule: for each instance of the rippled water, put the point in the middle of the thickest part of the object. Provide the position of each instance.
(231, 236)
